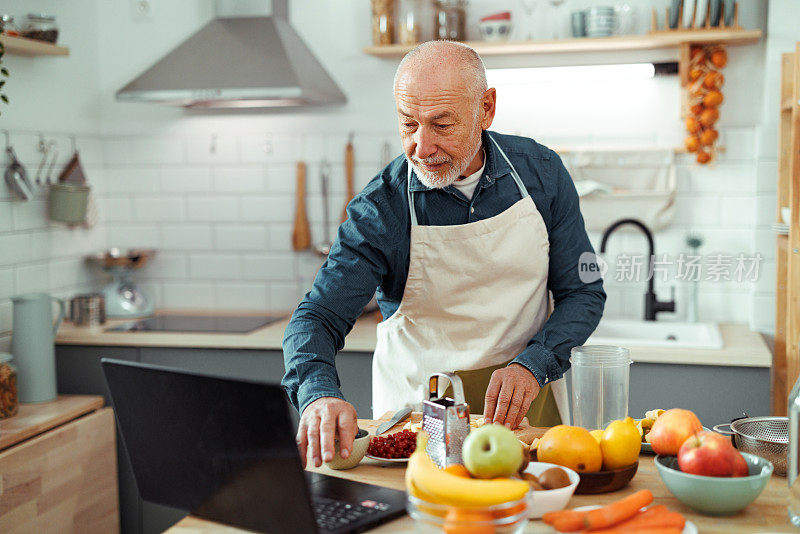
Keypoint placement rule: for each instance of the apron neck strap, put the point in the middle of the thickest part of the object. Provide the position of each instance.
(412, 211)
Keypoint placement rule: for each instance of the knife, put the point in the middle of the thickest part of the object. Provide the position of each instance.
(400, 415)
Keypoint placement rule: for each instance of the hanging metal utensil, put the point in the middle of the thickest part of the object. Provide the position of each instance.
(16, 177)
(51, 146)
(324, 247)
(43, 149)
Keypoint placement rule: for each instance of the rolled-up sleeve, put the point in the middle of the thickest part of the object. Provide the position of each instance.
(578, 306)
(359, 259)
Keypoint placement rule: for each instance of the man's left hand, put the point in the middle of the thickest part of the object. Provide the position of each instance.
(509, 395)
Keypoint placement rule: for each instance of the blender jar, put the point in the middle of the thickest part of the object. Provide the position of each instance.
(600, 378)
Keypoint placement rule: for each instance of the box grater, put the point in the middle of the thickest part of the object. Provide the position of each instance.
(446, 421)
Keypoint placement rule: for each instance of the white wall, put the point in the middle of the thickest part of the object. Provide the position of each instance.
(222, 220)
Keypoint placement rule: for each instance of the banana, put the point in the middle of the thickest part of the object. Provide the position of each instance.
(423, 477)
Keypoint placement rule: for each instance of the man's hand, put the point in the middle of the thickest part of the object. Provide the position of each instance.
(320, 423)
(509, 395)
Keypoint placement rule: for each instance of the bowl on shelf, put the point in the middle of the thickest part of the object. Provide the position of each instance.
(606, 481)
(506, 518)
(496, 27)
(360, 445)
(715, 495)
(551, 500)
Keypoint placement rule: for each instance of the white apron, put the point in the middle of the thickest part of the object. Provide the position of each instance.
(475, 295)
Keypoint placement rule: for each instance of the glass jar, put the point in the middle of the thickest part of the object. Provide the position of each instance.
(7, 26)
(412, 21)
(382, 22)
(451, 20)
(600, 381)
(9, 400)
(41, 27)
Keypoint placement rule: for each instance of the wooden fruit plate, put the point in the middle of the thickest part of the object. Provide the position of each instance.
(525, 433)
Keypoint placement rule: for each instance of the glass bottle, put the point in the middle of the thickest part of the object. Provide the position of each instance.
(382, 22)
(451, 20)
(794, 451)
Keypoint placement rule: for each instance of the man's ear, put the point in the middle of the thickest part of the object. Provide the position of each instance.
(488, 107)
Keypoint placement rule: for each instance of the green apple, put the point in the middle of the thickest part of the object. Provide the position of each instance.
(491, 451)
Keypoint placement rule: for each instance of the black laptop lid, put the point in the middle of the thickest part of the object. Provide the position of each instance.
(222, 449)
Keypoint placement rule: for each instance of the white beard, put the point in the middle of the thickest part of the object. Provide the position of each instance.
(440, 180)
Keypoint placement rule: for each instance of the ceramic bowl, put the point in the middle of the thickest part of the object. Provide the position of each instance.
(606, 481)
(360, 445)
(554, 499)
(495, 30)
(506, 518)
(715, 495)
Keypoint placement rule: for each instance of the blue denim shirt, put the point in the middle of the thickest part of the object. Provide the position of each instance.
(372, 251)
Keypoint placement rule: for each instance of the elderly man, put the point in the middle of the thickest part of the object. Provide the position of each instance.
(463, 237)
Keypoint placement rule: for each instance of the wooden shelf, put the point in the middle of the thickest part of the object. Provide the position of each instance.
(661, 40)
(31, 47)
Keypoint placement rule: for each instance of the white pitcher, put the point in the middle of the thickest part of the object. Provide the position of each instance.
(32, 345)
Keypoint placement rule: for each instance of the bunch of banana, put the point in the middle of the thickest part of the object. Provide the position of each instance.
(646, 424)
(426, 481)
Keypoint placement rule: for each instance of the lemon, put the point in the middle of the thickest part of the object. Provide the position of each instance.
(620, 444)
(597, 434)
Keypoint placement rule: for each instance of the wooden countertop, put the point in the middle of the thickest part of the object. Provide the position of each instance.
(766, 514)
(742, 347)
(33, 419)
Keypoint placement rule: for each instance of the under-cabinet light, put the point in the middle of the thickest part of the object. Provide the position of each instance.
(582, 73)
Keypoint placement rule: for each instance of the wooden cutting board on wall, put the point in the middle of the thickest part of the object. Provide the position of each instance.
(525, 433)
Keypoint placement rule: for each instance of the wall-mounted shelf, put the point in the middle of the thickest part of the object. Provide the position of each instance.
(31, 47)
(665, 40)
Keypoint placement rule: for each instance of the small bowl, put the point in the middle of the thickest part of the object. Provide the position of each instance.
(606, 481)
(360, 445)
(715, 495)
(554, 499)
(507, 518)
(495, 29)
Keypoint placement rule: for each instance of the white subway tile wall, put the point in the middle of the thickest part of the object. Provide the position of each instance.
(219, 208)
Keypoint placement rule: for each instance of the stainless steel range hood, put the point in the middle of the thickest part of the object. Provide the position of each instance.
(238, 62)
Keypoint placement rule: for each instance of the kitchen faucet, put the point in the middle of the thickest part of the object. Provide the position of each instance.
(651, 303)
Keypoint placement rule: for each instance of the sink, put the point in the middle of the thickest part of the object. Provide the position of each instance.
(632, 333)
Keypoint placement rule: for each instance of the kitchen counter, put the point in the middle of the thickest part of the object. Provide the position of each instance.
(766, 513)
(742, 347)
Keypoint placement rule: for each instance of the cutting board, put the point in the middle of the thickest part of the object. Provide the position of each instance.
(525, 433)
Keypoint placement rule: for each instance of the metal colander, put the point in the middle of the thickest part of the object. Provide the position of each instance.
(767, 437)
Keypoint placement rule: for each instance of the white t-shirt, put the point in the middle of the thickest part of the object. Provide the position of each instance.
(468, 184)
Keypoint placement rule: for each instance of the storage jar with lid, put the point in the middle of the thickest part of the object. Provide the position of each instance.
(414, 23)
(451, 20)
(382, 22)
(9, 400)
(40, 26)
(7, 26)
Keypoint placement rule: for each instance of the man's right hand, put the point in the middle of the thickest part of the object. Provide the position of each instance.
(321, 422)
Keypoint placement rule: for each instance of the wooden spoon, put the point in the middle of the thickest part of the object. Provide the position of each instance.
(348, 174)
(301, 233)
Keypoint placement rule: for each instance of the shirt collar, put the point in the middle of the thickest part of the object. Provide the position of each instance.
(495, 166)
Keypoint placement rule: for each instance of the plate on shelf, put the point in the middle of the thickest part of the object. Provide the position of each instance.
(674, 13)
(688, 528)
(779, 228)
(714, 13)
(390, 460)
(700, 12)
(688, 13)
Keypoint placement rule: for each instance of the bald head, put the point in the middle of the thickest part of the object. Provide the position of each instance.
(443, 63)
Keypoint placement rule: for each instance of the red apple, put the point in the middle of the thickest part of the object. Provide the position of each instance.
(671, 429)
(709, 454)
(740, 468)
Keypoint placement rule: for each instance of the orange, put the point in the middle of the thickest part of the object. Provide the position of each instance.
(571, 446)
(621, 444)
(459, 521)
(458, 470)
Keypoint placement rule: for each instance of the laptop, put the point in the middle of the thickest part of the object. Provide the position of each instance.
(225, 450)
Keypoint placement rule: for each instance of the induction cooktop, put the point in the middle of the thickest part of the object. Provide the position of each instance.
(232, 324)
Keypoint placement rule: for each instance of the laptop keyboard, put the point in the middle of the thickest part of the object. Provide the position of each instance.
(334, 515)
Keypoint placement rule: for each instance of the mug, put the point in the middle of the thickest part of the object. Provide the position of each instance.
(67, 203)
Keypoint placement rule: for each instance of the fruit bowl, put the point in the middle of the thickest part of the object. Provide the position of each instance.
(544, 501)
(606, 481)
(507, 518)
(715, 495)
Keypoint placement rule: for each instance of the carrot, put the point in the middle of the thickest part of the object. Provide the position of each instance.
(642, 530)
(618, 511)
(565, 520)
(645, 521)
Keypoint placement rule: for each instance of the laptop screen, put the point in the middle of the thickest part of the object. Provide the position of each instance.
(222, 449)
